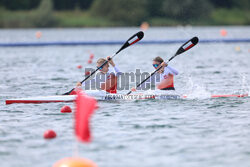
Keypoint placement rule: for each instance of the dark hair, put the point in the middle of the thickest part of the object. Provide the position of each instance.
(158, 59)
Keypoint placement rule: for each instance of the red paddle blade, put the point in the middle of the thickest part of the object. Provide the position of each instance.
(132, 40)
(188, 45)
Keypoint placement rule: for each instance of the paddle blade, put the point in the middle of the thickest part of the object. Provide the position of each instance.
(69, 92)
(188, 45)
(132, 40)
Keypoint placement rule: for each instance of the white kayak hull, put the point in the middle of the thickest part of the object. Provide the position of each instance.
(42, 99)
(101, 95)
(71, 98)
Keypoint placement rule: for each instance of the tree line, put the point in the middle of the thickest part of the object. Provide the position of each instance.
(86, 4)
(128, 12)
(58, 4)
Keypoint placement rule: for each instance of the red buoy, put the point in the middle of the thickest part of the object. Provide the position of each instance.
(38, 34)
(91, 56)
(223, 32)
(49, 134)
(79, 66)
(89, 61)
(87, 73)
(66, 109)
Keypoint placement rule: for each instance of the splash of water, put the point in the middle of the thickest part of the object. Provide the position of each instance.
(196, 90)
(245, 88)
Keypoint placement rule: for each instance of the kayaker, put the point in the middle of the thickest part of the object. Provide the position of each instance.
(165, 81)
(106, 78)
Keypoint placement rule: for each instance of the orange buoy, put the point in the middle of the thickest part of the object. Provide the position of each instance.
(49, 134)
(66, 109)
(223, 32)
(237, 49)
(74, 162)
(38, 34)
(144, 26)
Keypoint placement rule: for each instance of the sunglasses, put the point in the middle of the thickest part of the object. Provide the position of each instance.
(99, 68)
(156, 65)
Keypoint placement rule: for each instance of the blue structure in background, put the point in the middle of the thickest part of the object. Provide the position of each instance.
(73, 43)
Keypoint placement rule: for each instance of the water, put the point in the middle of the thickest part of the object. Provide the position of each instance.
(197, 131)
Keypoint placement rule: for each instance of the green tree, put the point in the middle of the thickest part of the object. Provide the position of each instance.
(19, 4)
(64, 4)
(84, 4)
(241, 4)
(186, 10)
(129, 12)
(72, 4)
(154, 8)
(222, 3)
(43, 15)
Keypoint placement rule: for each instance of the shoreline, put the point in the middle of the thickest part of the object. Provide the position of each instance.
(83, 19)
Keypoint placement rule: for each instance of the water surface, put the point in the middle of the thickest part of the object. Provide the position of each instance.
(197, 131)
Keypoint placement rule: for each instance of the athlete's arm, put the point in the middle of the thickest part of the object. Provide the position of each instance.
(111, 62)
(117, 70)
(172, 70)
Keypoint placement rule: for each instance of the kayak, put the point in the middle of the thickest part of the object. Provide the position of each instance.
(55, 99)
(109, 97)
(71, 98)
(42, 99)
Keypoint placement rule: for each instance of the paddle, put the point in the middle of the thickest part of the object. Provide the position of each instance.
(132, 40)
(186, 46)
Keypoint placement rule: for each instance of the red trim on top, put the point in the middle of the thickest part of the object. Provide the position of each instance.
(35, 101)
(233, 95)
(189, 46)
(134, 41)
